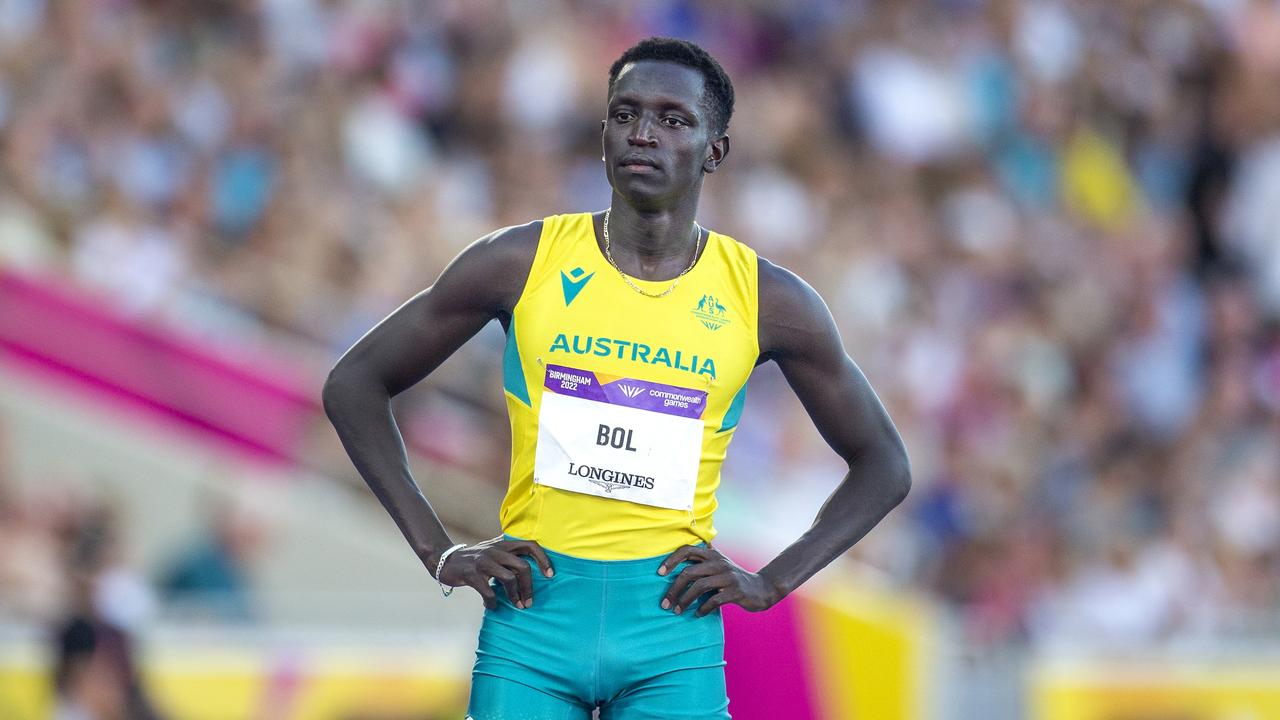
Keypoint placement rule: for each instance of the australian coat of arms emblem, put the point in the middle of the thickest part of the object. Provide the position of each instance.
(711, 313)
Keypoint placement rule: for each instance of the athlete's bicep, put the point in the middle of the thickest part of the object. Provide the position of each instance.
(798, 332)
(481, 284)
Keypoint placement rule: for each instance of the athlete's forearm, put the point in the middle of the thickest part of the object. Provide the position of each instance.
(360, 410)
(874, 485)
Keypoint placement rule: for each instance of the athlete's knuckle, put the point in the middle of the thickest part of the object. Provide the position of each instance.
(691, 571)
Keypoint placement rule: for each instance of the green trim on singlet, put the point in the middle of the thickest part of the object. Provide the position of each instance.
(734, 413)
(512, 370)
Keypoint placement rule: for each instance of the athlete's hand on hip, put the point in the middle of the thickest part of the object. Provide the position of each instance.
(500, 560)
(711, 572)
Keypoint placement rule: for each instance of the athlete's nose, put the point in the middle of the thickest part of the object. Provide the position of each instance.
(641, 133)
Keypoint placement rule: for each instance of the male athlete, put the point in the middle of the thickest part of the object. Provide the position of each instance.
(630, 336)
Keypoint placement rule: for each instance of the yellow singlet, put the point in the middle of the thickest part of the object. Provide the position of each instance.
(622, 406)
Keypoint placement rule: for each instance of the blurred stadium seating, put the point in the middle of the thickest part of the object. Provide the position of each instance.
(1049, 231)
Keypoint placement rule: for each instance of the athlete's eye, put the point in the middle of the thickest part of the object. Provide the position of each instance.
(672, 121)
(622, 116)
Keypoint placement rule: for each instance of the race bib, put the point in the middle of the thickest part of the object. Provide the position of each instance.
(622, 439)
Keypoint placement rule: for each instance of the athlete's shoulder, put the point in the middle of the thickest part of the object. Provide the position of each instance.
(784, 293)
(792, 313)
(512, 244)
(494, 268)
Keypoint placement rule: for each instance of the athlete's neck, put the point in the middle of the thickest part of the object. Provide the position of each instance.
(652, 245)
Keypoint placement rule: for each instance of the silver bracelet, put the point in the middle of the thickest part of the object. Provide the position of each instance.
(447, 590)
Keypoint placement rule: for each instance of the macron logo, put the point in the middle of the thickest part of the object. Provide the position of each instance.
(630, 391)
(572, 283)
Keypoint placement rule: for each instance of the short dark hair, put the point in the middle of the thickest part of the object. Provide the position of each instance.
(717, 92)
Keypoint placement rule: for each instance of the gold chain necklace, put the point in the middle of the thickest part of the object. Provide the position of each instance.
(696, 244)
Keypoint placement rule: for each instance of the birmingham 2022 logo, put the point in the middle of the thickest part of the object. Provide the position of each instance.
(711, 313)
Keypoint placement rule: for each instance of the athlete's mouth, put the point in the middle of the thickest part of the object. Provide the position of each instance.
(638, 163)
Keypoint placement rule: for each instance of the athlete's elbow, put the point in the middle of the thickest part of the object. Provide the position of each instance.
(340, 388)
(886, 461)
(899, 478)
(331, 396)
(897, 466)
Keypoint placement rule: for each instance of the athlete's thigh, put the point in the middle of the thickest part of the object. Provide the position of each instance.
(696, 693)
(498, 698)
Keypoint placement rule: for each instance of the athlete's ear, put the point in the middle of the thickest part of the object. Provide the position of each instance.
(716, 153)
(603, 125)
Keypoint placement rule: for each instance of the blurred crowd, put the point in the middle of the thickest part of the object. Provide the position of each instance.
(1049, 231)
(66, 568)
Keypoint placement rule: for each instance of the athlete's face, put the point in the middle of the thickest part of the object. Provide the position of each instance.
(658, 139)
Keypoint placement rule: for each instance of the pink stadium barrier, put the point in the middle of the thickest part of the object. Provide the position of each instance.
(68, 335)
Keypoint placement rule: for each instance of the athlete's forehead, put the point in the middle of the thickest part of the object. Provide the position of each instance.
(660, 83)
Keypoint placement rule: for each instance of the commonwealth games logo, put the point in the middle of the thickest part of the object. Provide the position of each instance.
(711, 313)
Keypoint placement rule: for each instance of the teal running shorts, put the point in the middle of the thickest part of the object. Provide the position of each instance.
(596, 637)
